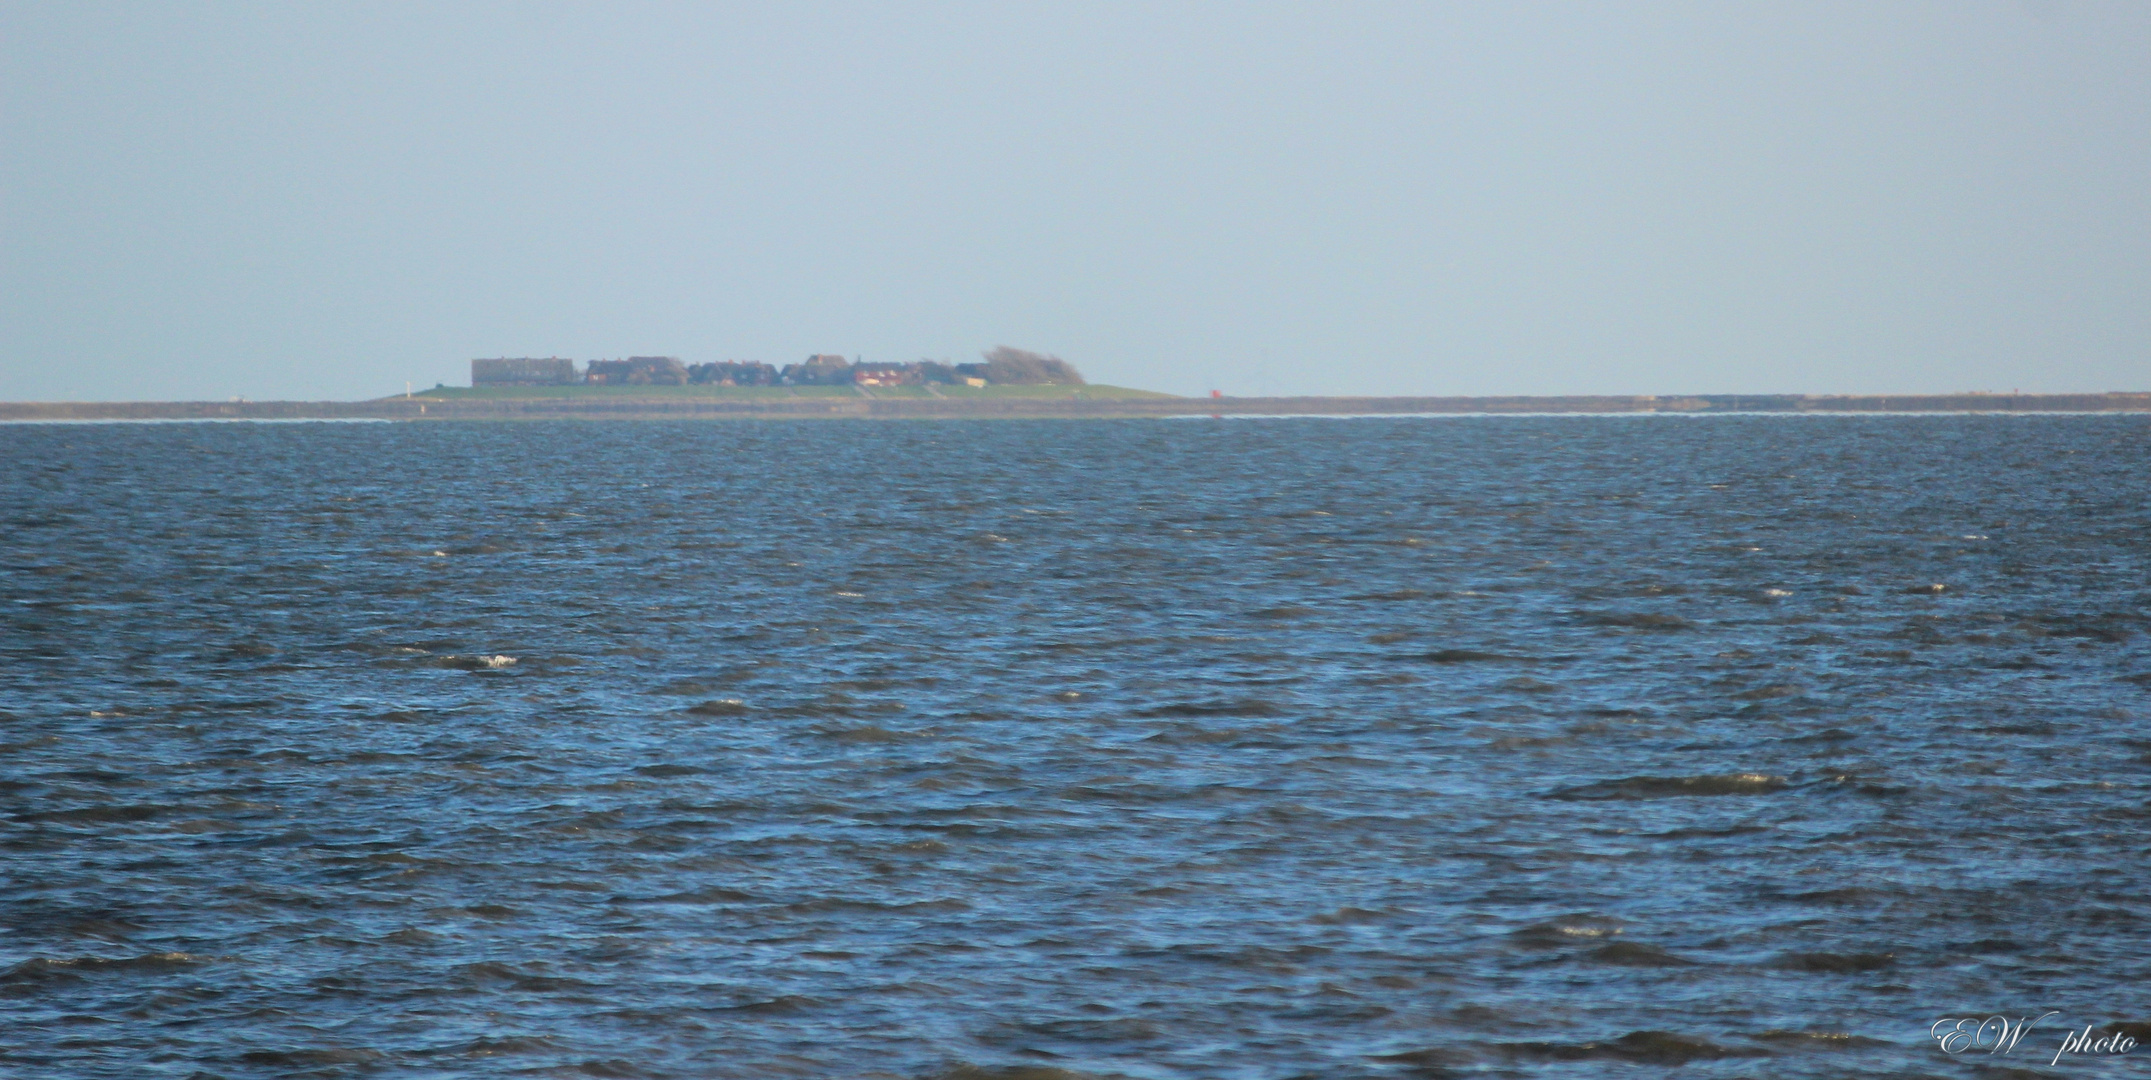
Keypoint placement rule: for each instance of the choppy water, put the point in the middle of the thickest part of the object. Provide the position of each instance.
(1263, 749)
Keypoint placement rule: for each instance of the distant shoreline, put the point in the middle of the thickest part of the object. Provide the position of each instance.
(1100, 403)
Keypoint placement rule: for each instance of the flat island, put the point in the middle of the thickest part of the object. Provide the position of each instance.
(1011, 383)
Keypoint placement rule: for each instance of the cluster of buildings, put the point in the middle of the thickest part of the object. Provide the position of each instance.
(1003, 365)
(820, 369)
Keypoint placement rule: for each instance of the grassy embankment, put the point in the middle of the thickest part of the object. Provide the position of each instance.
(778, 393)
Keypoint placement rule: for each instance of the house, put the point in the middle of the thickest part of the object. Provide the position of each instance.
(821, 369)
(638, 371)
(885, 374)
(733, 373)
(523, 371)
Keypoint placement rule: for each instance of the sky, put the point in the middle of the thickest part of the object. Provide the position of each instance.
(326, 201)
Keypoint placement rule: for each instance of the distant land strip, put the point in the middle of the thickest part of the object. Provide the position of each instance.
(677, 407)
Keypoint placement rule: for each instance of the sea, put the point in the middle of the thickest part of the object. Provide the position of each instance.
(1252, 749)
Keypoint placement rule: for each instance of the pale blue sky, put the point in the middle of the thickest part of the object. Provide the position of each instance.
(325, 200)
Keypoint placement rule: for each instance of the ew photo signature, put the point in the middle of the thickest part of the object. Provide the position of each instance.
(2000, 1034)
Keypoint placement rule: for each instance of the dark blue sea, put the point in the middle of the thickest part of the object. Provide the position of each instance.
(1249, 749)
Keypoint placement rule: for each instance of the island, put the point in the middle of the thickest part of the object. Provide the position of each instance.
(1006, 383)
